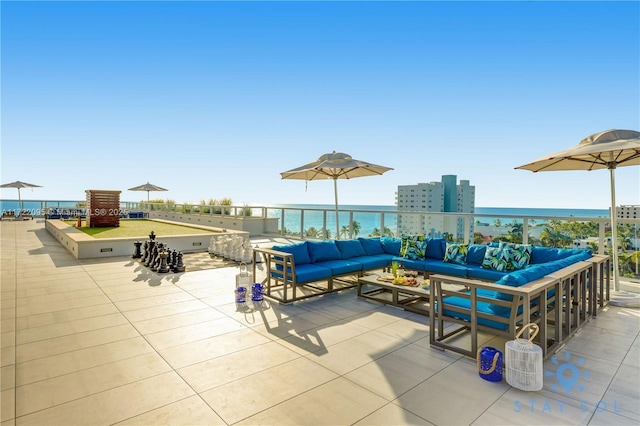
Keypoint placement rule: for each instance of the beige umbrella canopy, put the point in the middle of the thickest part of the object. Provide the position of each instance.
(19, 185)
(147, 187)
(336, 165)
(604, 150)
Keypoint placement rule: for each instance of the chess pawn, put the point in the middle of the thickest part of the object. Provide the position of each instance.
(180, 266)
(172, 260)
(163, 268)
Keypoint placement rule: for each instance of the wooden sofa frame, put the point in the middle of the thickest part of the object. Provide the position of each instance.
(580, 291)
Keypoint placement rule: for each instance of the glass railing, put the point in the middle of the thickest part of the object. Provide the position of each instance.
(320, 223)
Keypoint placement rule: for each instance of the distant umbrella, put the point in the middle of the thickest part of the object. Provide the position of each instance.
(147, 187)
(18, 184)
(336, 165)
(604, 150)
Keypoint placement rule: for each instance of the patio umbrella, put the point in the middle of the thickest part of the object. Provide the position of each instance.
(18, 184)
(604, 150)
(147, 187)
(336, 165)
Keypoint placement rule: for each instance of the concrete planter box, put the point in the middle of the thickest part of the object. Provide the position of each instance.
(83, 246)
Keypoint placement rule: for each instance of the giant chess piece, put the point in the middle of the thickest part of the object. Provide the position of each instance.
(152, 236)
(180, 266)
(136, 253)
(154, 256)
(163, 268)
(152, 250)
(145, 249)
(173, 261)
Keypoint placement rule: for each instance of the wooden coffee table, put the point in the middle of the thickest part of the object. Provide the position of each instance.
(413, 299)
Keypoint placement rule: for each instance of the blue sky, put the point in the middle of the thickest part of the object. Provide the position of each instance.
(215, 99)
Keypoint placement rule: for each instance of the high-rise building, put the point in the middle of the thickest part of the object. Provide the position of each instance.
(444, 196)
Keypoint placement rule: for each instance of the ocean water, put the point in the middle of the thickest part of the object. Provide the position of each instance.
(314, 214)
(370, 221)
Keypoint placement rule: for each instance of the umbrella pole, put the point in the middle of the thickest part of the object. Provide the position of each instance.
(19, 202)
(335, 191)
(614, 230)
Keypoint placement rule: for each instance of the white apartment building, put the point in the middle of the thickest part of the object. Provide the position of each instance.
(628, 212)
(444, 196)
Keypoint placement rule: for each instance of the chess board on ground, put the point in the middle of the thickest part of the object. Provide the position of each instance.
(204, 260)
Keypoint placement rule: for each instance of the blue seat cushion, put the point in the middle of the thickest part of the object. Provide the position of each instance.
(308, 273)
(323, 250)
(478, 272)
(371, 245)
(416, 265)
(341, 266)
(350, 248)
(298, 250)
(440, 267)
(391, 245)
(371, 262)
(483, 307)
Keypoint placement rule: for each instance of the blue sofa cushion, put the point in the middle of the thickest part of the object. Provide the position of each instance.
(413, 247)
(323, 250)
(391, 245)
(481, 307)
(436, 248)
(308, 273)
(371, 245)
(372, 262)
(341, 266)
(298, 250)
(475, 254)
(478, 272)
(536, 272)
(494, 258)
(440, 267)
(549, 254)
(456, 253)
(350, 248)
(517, 255)
(416, 265)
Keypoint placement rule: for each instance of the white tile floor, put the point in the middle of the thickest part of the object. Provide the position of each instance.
(109, 342)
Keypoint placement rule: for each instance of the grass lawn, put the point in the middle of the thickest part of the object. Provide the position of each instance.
(138, 228)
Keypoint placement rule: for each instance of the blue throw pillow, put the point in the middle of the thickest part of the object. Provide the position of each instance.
(475, 255)
(371, 245)
(456, 253)
(391, 245)
(436, 248)
(323, 250)
(350, 248)
(298, 250)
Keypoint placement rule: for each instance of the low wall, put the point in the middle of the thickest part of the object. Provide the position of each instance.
(253, 225)
(83, 246)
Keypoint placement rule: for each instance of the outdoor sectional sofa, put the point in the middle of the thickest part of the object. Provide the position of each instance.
(492, 298)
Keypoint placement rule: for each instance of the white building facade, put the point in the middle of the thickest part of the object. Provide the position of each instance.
(444, 196)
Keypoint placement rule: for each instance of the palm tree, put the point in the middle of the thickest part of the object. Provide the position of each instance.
(355, 225)
(344, 231)
(312, 232)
